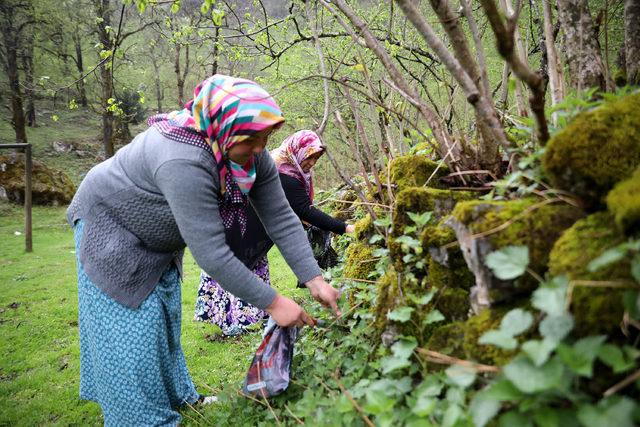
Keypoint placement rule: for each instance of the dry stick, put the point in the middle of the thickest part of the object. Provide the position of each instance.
(364, 139)
(622, 384)
(374, 45)
(331, 199)
(505, 39)
(366, 419)
(323, 71)
(345, 136)
(443, 359)
(293, 415)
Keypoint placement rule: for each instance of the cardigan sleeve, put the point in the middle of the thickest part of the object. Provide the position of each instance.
(301, 205)
(281, 223)
(192, 193)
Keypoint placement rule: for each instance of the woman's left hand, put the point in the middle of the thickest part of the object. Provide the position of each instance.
(350, 228)
(324, 293)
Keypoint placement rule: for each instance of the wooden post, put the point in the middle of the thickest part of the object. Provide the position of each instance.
(28, 167)
(28, 239)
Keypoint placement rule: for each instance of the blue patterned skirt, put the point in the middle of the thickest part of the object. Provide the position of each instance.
(131, 361)
(219, 307)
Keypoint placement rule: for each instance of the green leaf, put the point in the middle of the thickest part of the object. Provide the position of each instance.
(375, 239)
(509, 262)
(424, 299)
(533, 379)
(451, 416)
(502, 390)
(608, 413)
(420, 219)
(539, 351)
(393, 363)
(433, 317)
(378, 402)
(401, 314)
(613, 356)
(462, 376)
(404, 347)
(175, 6)
(635, 267)
(608, 257)
(551, 298)
(516, 322)
(581, 356)
(483, 409)
(402, 351)
(430, 386)
(499, 338)
(424, 406)
(514, 418)
(556, 327)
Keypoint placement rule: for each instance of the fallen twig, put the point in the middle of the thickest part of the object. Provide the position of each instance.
(364, 416)
(443, 359)
(622, 384)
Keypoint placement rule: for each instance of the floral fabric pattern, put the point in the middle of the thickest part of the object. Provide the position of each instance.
(217, 306)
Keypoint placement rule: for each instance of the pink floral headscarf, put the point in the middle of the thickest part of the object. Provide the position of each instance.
(293, 151)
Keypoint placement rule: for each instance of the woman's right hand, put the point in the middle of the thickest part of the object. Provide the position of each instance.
(286, 312)
(350, 229)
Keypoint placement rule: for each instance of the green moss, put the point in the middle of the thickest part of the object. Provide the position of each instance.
(586, 240)
(596, 310)
(414, 171)
(422, 199)
(596, 150)
(475, 327)
(343, 207)
(49, 186)
(624, 203)
(537, 228)
(448, 340)
(446, 267)
(359, 261)
(453, 303)
(387, 286)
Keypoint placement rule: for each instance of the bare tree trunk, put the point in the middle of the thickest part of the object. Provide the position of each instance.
(103, 11)
(27, 65)
(632, 40)
(181, 74)
(11, 37)
(158, 82)
(582, 50)
(216, 52)
(554, 68)
(80, 66)
(519, 90)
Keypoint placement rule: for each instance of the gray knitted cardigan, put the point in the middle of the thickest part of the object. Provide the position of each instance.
(156, 196)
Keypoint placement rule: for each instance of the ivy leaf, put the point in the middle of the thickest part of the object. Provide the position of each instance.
(514, 418)
(462, 376)
(393, 363)
(433, 317)
(401, 314)
(581, 356)
(608, 257)
(423, 299)
(608, 413)
(404, 347)
(451, 416)
(557, 327)
(499, 338)
(539, 350)
(533, 379)
(402, 351)
(378, 402)
(551, 297)
(420, 219)
(502, 390)
(424, 406)
(509, 262)
(375, 239)
(516, 322)
(635, 267)
(613, 356)
(430, 386)
(483, 409)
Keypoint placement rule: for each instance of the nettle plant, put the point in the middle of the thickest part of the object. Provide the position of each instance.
(547, 381)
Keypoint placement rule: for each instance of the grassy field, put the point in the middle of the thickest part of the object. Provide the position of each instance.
(39, 350)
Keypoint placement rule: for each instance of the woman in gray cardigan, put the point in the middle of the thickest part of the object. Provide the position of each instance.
(179, 183)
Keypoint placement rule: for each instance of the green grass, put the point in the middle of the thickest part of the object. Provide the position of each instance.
(39, 350)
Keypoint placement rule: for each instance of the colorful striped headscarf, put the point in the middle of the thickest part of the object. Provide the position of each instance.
(224, 111)
(293, 151)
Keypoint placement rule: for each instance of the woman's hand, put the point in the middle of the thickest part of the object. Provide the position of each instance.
(324, 293)
(350, 229)
(285, 312)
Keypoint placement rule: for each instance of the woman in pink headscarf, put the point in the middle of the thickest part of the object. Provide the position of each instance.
(295, 158)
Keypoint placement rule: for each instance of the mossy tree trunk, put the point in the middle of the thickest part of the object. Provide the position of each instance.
(104, 12)
(582, 50)
(632, 40)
